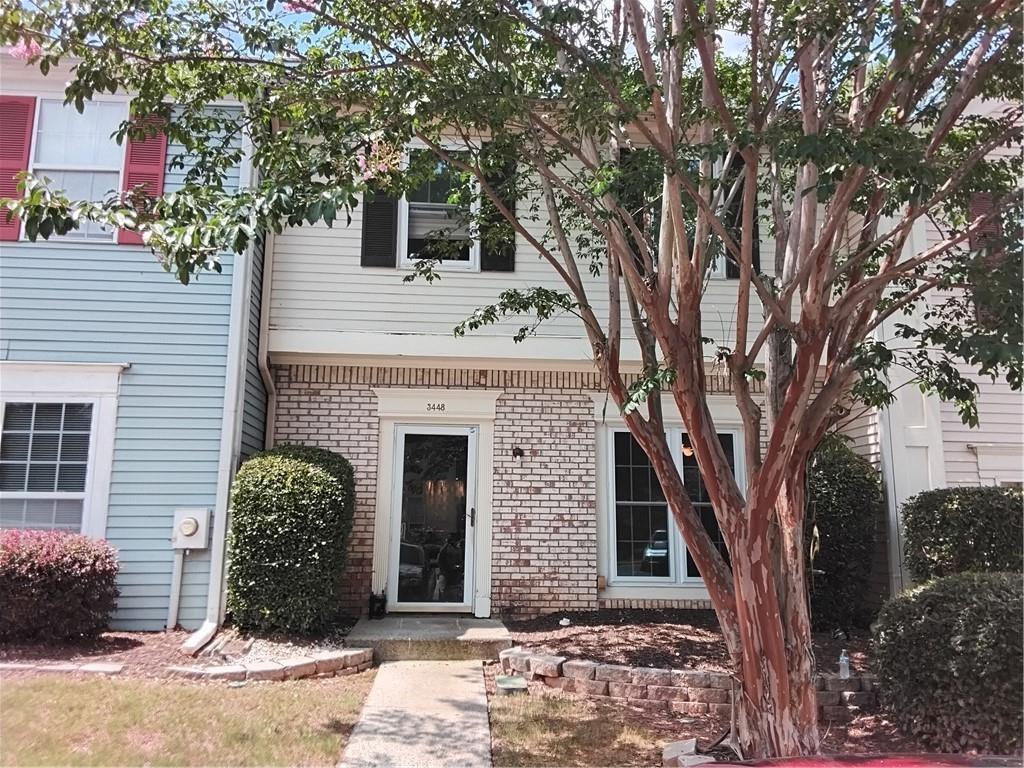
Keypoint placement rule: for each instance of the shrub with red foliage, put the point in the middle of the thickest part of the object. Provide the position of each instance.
(55, 585)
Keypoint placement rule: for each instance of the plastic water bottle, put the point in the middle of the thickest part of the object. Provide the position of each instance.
(844, 664)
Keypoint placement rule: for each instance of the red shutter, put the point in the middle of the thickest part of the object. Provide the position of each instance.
(144, 162)
(16, 117)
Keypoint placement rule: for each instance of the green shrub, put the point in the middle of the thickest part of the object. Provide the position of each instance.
(55, 585)
(291, 519)
(844, 498)
(957, 530)
(949, 656)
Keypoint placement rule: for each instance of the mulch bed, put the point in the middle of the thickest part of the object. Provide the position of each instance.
(148, 654)
(674, 639)
(144, 654)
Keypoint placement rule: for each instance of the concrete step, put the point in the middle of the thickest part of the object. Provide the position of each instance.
(400, 637)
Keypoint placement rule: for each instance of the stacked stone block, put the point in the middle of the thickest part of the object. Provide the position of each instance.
(687, 692)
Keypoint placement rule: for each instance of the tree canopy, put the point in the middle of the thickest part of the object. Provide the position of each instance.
(624, 140)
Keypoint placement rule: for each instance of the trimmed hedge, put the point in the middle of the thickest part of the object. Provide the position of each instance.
(844, 498)
(291, 518)
(957, 530)
(949, 657)
(55, 586)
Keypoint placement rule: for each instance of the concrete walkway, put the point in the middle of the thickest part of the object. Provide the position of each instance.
(423, 713)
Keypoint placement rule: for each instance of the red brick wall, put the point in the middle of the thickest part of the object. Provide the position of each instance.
(544, 541)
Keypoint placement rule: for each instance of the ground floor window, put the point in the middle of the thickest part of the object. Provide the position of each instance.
(44, 464)
(57, 423)
(647, 546)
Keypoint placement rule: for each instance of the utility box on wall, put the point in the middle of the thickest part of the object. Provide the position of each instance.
(191, 528)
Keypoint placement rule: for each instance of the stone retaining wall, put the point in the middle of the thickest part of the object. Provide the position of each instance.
(325, 664)
(688, 692)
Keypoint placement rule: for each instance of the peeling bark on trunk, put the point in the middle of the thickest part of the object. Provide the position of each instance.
(777, 709)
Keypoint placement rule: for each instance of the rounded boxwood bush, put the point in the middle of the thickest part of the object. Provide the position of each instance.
(55, 585)
(844, 498)
(291, 519)
(956, 530)
(949, 657)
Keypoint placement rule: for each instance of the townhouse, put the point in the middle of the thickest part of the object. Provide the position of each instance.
(126, 399)
(491, 477)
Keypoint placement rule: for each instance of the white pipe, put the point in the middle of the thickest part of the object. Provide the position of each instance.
(227, 460)
(172, 606)
(234, 383)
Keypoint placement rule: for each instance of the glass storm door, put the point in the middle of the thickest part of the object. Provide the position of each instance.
(434, 518)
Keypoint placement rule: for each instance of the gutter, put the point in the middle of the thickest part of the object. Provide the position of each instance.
(263, 355)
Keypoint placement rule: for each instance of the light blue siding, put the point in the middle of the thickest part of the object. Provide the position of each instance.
(64, 302)
(254, 412)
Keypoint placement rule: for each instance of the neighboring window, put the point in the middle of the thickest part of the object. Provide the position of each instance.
(44, 463)
(646, 544)
(435, 227)
(78, 154)
(642, 546)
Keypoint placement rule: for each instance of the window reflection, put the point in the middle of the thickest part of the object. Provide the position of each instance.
(433, 530)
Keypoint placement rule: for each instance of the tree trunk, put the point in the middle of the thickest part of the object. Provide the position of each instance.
(776, 711)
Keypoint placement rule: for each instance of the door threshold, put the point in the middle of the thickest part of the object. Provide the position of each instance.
(427, 608)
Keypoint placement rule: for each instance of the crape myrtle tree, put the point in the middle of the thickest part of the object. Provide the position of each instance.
(625, 146)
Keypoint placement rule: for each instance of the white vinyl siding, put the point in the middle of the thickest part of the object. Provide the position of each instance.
(321, 293)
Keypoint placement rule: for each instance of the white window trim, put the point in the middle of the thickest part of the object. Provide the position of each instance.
(94, 383)
(678, 585)
(33, 167)
(402, 235)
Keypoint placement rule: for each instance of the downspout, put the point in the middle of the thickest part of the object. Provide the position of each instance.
(264, 355)
(227, 461)
(228, 456)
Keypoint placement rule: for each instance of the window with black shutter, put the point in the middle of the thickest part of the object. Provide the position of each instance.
(434, 222)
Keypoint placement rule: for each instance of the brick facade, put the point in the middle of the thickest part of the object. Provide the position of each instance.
(544, 536)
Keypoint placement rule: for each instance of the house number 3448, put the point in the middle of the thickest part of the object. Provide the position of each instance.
(435, 407)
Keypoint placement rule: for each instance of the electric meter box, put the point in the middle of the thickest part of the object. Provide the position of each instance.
(191, 528)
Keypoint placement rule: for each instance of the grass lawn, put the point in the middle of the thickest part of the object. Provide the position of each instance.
(98, 722)
(559, 731)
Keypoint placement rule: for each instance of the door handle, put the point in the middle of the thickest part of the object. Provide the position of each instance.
(472, 516)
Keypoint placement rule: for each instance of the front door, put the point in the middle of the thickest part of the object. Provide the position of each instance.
(433, 519)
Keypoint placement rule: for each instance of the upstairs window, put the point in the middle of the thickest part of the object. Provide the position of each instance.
(44, 463)
(78, 154)
(434, 225)
(433, 221)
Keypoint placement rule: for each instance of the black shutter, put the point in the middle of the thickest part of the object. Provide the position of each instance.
(632, 197)
(380, 230)
(733, 220)
(498, 238)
